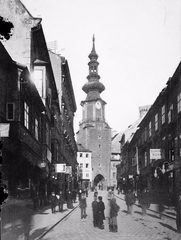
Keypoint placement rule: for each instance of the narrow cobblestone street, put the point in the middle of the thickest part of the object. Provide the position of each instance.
(129, 227)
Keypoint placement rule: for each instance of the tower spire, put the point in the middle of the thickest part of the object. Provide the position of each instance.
(93, 40)
(93, 87)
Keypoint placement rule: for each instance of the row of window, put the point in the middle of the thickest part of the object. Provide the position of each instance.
(34, 121)
(10, 116)
(86, 165)
(171, 156)
(170, 118)
(84, 155)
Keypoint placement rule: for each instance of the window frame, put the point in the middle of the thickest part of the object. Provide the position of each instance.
(7, 111)
(26, 115)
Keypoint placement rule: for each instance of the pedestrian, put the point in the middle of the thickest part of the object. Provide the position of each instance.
(69, 200)
(130, 200)
(95, 192)
(100, 213)
(60, 201)
(86, 191)
(79, 194)
(109, 197)
(114, 209)
(83, 205)
(178, 212)
(74, 195)
(161, 199)
(94, 210)
(53, 201)
(144, 200)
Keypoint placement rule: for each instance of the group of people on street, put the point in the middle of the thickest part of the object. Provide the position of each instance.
(59, 200)
(112, 209)
(56, 200)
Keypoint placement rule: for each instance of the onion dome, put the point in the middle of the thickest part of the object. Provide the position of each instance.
(93, 86)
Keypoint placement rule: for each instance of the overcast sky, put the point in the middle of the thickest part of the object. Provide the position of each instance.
(138, 43)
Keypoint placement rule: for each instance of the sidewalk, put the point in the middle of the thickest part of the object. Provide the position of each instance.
(19, 221)
(168, 211)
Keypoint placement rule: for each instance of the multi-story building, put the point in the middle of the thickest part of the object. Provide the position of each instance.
(84, 159)
(41, 107)
(155, 147)
(124, 175)
(94, 132)
(64, 148)
(115, 159)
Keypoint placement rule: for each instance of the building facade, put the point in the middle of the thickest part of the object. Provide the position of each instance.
(84, 159)
(115, 159)
(94, 132)
(124, 175)
(155, 148)
(38, 103)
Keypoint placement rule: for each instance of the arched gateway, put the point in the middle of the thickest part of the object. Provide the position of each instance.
(99, 180)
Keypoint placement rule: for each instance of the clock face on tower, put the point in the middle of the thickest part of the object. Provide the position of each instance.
(98, 105)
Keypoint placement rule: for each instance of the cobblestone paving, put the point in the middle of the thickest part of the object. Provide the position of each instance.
(130, 227)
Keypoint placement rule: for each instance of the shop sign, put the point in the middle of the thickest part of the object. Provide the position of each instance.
(4, 129)
(60, 168)
(157, 154)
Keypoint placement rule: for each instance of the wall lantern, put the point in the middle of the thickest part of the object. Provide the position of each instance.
(163, 170)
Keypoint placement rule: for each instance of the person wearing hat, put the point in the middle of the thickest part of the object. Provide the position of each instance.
(94, 210)
(100, 213)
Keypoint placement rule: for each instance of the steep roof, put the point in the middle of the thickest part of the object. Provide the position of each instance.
(82, 148)
(115, 146)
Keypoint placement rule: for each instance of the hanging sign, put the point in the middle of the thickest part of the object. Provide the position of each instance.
(60, 168)
(4, 129)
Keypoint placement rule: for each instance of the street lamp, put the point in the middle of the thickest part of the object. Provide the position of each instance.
(163, 170)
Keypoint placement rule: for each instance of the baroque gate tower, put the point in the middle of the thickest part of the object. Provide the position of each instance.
(94, 133)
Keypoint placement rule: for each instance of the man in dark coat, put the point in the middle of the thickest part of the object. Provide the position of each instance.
(144, 200)
(100, 213)
(60, 201)
(114, 209)
(130, 200)
(53, 201)
(94, 210)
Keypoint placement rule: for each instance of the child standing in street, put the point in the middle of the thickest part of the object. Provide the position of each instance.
(114, 209)
(83, 205)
